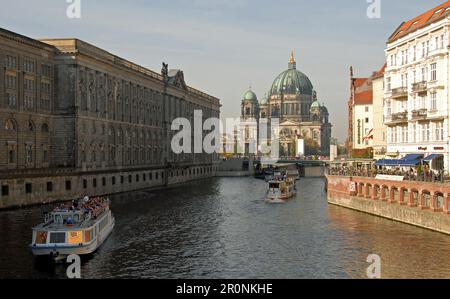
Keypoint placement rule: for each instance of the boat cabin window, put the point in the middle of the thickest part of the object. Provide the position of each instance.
(57, 238)
(88, 236)
(41, 238)
(274, 185)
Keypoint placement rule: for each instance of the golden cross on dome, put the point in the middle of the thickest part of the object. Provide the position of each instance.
(292, 59)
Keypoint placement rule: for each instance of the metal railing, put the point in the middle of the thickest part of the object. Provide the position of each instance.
(426, 176)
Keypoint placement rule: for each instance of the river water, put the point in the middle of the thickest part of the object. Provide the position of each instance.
(221, 228)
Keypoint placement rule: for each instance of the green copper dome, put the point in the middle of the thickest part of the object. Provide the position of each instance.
(250, 96)
(292, 81)
(315, 104)
(264, 100)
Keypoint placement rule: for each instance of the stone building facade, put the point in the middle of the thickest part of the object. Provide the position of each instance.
(76, 120)
(416, 98)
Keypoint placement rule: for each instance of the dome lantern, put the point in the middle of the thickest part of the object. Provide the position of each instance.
(292, 64)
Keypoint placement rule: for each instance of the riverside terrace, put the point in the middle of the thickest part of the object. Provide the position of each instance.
(413, 167)
(413, 174)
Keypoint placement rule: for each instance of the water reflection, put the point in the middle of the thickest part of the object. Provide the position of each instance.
(221, 228)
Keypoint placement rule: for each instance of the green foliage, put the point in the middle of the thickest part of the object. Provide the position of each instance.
(363, 154)
(312, 148)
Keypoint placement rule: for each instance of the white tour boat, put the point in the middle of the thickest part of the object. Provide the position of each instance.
(281, 189)
(77, 228)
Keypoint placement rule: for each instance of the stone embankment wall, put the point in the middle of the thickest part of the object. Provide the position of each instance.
(417, 203)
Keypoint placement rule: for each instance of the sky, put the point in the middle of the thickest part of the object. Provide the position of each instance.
(226, 46)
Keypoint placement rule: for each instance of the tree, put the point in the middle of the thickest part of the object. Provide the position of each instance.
(312, 148)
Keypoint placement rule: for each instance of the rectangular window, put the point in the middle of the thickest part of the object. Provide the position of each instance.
(29, 102)
(11, 99)
(10, 82)
(11, 156)
(84, 184)
(137, 178)
(29, 85)
(46, 88)
(104, 182)
(150, 175)
(388, 84)
(121, 179)
(29, 66)
(113, 180)
(29, 157)
(404, 80)
(130, 179)
(433, 72)
(58, 238)
(424, 74)
(45, 156)
(28, 188)
(68, 185)
(46, 70)
(433, 104)
(5, 190)
(94, 183)
(11, 62)
(49, 187)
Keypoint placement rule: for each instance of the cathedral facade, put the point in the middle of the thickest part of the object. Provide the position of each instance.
(293, 101)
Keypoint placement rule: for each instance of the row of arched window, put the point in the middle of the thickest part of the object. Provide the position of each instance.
(12, 126)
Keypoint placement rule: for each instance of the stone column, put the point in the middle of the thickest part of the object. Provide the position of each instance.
(433, 203)
(383, 193)
(360, 190)
(411, 199)
(392, 195)
(401, 197)
(422, 201)
(374, 193)
(367, 194)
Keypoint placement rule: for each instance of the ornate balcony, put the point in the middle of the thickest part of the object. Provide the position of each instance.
(419, 114)
(399, 93)
(419, 87)
(396, 118)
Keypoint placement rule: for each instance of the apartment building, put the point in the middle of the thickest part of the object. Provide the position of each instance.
(416, 96)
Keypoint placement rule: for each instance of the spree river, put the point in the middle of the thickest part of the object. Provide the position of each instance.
(221, 228)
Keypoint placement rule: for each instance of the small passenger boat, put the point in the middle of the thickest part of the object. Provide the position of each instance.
(281, 189)
(79, 228)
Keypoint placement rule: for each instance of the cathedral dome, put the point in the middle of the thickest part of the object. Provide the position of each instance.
(250, 96)
(315, 105)
(264, 101)
(292, 81)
